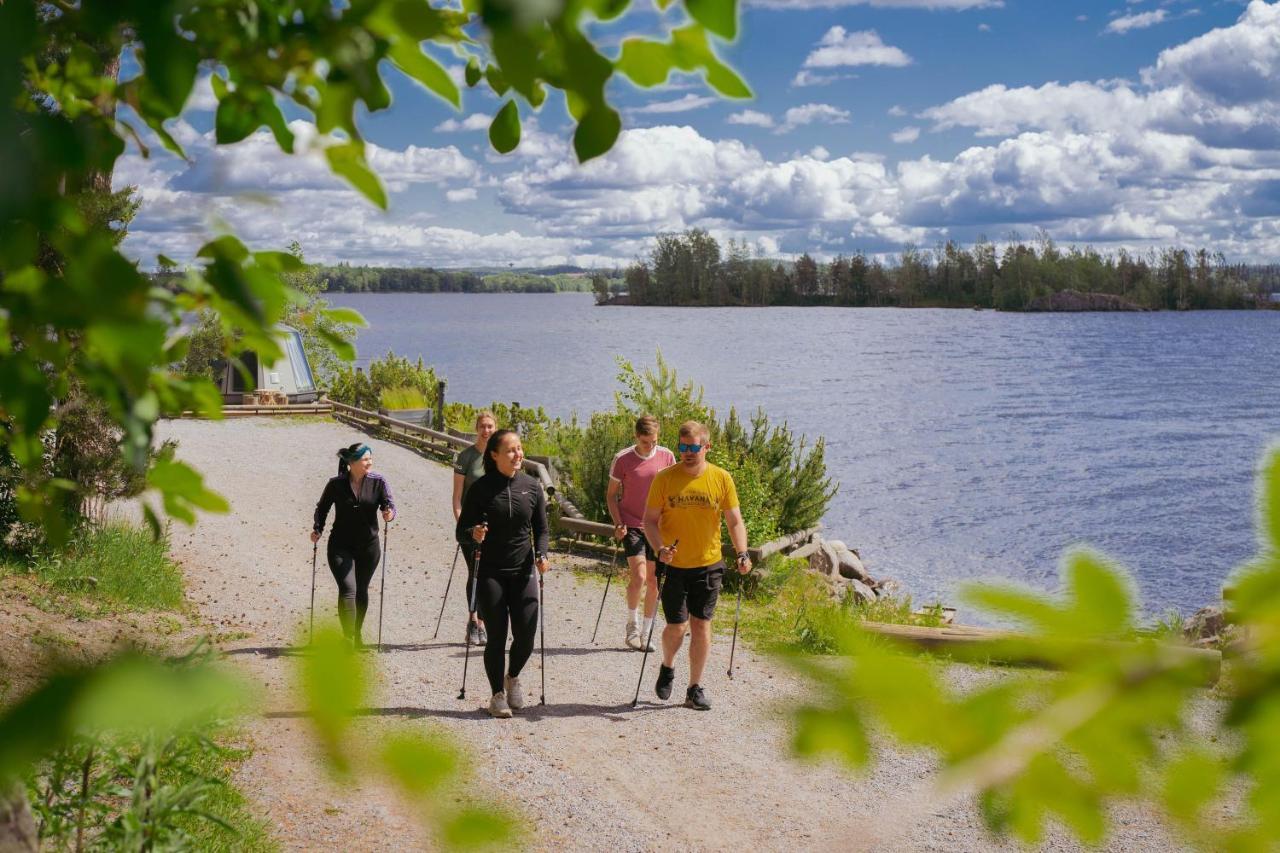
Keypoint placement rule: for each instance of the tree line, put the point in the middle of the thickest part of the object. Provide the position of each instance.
(344, 278)
(691, 268)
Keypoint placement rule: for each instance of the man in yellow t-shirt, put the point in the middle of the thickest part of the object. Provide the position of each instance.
(685, 505)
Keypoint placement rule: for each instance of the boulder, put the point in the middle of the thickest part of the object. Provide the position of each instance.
(862, 593)
(837, 544)
(851, 567)
(1206, 622)
(824, 561)
(887, 588)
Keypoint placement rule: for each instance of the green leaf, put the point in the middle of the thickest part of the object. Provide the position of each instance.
(1269, 500)
(334, 685)
(235, 119)
(819, 731)
(348, 161)
(597, 131)
(1103, 601)
(412, 61)
(169, 60)
(473, 72)
(345, 315)
(341, 347)
(718, 16)
(497, 81)
(646, 63)
(504, 131)
(477, 827)
(418, 765)
(1189, 783)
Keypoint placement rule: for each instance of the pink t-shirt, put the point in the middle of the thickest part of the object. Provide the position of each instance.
(635, 473)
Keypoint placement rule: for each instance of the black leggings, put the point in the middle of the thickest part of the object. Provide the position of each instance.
(502, 598)
(353, 568)
(469, 555)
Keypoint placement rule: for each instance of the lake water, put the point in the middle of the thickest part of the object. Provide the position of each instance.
(967, 444)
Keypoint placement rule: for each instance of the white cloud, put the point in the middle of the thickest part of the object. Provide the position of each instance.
(1139, 21)
(475, 121)
(897, 111)
(805, 77)
(812, 114)
(884, 4)
(751, 118)
(840, 48)
(1239, 64)
(463, 194)
(984, 28)
(679, 105)
(906, 135)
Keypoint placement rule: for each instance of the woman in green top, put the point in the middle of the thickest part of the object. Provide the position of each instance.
(467, 468)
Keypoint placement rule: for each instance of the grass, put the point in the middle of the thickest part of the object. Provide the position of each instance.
(250, 834)
(117, 567)
(402, 397)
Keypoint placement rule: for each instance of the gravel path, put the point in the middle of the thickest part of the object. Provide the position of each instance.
(588, 772)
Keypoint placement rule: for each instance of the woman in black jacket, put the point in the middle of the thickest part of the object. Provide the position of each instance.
(505, 516)
(356, 494)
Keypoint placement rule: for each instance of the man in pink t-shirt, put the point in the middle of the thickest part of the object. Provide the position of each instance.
(632, 471)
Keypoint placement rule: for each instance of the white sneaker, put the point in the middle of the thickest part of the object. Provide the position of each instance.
(633, 636)
(515, 693)
(498, 706)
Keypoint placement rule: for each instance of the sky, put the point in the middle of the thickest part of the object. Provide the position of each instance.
(876, 124)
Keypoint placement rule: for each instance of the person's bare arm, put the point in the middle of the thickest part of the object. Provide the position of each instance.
(611, 496)
(738, 536)
(458, 480)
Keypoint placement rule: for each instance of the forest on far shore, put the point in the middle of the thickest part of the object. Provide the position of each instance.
(691, 268)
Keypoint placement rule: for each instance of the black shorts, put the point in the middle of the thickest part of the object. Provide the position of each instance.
(691, 591)
(635, 541)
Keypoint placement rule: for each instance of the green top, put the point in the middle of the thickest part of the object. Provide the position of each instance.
(470, 464)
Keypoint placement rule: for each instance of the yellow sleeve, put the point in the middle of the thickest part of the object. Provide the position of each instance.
(730, 493)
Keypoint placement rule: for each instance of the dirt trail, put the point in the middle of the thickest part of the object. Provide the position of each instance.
(588, 771)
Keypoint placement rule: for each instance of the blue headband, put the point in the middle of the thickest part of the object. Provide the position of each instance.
(353, 455)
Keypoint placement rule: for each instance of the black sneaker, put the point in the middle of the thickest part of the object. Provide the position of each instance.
(666, 677)
(696, 698)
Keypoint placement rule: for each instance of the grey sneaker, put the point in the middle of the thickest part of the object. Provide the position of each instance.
(634, 640)
(696, 698)
(482, 636)
(515, 693)
(473, 634)
(498, 706)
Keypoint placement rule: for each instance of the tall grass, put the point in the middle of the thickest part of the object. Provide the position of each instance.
(402, 397)
(118, 565)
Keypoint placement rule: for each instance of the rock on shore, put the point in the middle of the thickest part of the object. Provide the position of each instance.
(1074, 300)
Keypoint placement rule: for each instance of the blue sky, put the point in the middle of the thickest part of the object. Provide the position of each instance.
(1130, 124)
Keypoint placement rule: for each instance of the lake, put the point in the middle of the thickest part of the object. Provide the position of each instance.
(967, 444)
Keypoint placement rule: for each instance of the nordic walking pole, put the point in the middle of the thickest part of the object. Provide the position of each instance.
(448, 583)
(613, 569)
(311, 635)
(649, 640)
(473, 570)
(737, 611)
(542, 630)
(382, 592)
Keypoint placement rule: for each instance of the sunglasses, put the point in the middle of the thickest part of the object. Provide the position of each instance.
(688, 448)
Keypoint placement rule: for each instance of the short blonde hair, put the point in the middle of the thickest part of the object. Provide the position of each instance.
(694, 429)
(485, 413)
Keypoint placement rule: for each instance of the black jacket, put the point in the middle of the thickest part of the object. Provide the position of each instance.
(355, 517)
(516, 512)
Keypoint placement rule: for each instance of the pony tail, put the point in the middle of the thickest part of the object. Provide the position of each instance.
(343, 453)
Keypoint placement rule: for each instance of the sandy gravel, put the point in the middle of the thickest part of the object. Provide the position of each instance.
(587, 772)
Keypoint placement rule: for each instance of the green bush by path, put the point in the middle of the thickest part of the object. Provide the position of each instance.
(118, 566)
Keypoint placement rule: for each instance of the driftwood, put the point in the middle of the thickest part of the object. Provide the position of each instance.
(782, 543)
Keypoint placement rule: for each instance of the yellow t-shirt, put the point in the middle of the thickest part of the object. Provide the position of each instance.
(691, 511)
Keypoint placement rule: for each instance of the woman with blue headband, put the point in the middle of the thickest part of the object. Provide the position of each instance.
(356, 495)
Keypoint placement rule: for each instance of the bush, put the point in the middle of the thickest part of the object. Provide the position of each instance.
(540, 434)
(402, 398)
(363, 389)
